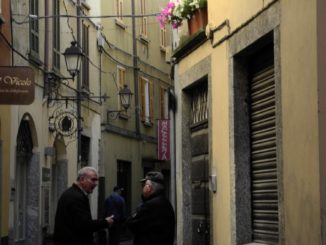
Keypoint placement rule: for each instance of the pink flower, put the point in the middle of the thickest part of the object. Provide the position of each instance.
(166, 16)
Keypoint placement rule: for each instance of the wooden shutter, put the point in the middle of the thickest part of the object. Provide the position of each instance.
(162, 109)
(142, 97)
(264, 158)
(151, 101)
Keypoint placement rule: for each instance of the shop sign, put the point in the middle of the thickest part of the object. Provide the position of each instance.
(17, 85)
(163, 127)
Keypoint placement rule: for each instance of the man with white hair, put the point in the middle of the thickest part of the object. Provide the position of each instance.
(73, 221)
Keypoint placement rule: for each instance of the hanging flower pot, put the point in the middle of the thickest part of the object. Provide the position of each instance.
(176, 11)
(198, 20)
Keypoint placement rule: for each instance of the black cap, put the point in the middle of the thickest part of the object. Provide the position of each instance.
(155, 177)
(117, 188)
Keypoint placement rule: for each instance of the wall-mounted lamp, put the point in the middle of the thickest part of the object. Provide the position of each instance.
(66, 121)
(125, 98)
(73, 56)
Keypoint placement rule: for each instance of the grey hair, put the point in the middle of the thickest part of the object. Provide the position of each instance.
(157, 187)
(84, 171)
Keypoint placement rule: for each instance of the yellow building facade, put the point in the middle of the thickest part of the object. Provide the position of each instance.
(261, 65)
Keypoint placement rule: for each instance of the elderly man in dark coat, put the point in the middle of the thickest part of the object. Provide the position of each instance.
(73, 221)
(154, 221)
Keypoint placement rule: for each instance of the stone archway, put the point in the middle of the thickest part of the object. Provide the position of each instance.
(25, 189)
(59, 177)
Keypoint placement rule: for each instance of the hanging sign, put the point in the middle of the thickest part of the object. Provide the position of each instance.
(163, 137)
(16, 85)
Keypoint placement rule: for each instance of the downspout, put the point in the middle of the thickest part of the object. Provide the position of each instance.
(46, 48)
(135, 67)
(79, 129)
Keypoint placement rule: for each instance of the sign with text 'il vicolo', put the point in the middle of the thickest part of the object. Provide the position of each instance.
(17, 86)
(163, 137)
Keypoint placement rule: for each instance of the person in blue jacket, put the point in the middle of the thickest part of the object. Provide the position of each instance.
(115, 205)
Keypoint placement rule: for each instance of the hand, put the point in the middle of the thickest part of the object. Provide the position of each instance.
(110, 219)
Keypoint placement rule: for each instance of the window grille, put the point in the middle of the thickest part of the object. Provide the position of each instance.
(199, 106)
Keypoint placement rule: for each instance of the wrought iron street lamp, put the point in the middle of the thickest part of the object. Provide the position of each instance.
(73, 56)
(125, 97)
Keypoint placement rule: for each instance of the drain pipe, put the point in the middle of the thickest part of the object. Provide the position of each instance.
(135, 67)
(46, 48)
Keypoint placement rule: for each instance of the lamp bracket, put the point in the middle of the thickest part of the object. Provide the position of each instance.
(63, 122)
(113, 115)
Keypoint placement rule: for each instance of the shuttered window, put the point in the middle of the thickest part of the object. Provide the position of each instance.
(143, 26)
(85, 64)
(34, 29)
(56, 35)
(146, 94)
(119, 9)
(164, 103)
(264, 158)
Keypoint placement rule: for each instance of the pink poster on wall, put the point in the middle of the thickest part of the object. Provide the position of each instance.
(163, 138)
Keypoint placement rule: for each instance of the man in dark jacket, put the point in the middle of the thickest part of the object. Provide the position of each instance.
(73, 221)
(154, 221)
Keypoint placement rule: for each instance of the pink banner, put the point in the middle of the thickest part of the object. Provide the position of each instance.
(163, 138)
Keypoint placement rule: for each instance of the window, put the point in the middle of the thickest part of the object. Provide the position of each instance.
(164, 103)
(163, 38)
(121, 79)
(56, 35)
(143, 26)
(34, 29)
(119, 12)
(146, 101)
(85, 64)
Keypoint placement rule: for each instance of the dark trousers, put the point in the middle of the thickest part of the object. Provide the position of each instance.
(114, 234)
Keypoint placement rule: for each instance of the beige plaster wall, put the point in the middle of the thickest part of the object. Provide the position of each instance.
(299, 122)
(221, 151)
(237, 12)
(299, 167)
(5, 126)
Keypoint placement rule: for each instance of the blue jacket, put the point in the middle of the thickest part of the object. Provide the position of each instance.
(115, 205)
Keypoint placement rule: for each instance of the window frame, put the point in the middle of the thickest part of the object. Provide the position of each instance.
(56, 54)
(85, 60)
(144, 20)
(146, 101)
(34, 29)
(121, 81)
(164, 103)
(119, 14)
(163, 42)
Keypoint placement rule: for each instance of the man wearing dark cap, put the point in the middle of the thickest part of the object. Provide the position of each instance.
(115, 205)
(154, 221)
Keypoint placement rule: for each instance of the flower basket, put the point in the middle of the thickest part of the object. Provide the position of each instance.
(198, 20)
(176, 11)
